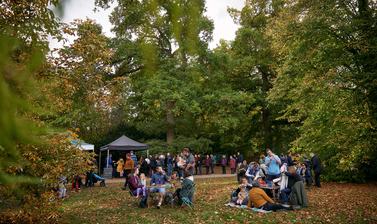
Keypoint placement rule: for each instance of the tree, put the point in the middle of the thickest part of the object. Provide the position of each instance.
(159, 43)
(327, 77)
(84, 96)
(254, 70)
(29, 165)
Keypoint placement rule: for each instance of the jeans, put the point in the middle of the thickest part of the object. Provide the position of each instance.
(271, 207)
(140, 191)
(284, 194)
(224, 170)
(170, 169)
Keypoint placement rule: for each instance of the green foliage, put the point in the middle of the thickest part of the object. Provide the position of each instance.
(253, 69)
(15, 86)
(32, 154)
(79, 83)
(327, 79)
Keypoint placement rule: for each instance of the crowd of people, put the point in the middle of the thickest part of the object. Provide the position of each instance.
(286, 174)
(198, 164)
(171, 178)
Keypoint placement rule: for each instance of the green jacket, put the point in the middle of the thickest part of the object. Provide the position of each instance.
(298, 195)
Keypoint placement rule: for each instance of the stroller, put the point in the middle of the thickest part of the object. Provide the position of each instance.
(92, 178)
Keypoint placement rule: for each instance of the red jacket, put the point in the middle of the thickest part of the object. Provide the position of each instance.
(232, 163)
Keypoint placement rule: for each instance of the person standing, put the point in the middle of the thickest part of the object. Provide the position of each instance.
(143, 166)
(262, 159)
(208, 163)
(120, 167)
(273, 162)
(223, 164)
(198, 164)
(316, 163)
(169, 164)
(153, 164)
(189, 160)
(213, 163)
(134, 158)
(239, 159)
(128, 168)
(289, 159)
(232, 165)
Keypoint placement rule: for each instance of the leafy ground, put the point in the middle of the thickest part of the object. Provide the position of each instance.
(333, 203)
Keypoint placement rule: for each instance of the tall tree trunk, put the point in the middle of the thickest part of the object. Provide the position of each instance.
(266, 118)
(170, 122)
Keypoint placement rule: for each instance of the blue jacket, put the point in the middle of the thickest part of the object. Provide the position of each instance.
(273, 165)
(134, 158)
(159, 179)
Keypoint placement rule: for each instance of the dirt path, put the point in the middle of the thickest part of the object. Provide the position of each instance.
(121, 180)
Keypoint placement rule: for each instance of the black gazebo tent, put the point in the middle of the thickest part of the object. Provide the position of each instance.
(122, 144)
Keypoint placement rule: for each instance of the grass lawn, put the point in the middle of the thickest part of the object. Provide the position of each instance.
(333, 203)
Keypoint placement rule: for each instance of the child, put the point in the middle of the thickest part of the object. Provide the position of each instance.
(242, 195)
(143, 179)
(62, 189)
(141, 189)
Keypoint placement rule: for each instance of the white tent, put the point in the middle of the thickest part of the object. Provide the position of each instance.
(82, 145)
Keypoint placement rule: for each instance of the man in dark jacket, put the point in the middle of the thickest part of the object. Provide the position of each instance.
(316, 164)
(290, 160)
(239, 158)
(293, 178)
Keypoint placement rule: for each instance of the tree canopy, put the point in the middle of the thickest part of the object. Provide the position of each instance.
(300, 76)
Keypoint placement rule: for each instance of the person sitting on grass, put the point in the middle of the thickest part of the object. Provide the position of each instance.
(241, 195)
(159, 179)
(185, 194)
(135, 185)
(259, 199)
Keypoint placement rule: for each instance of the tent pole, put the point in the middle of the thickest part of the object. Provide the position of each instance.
(99, 163)
(107, 159)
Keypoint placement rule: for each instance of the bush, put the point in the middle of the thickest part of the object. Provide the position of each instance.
(33, 199)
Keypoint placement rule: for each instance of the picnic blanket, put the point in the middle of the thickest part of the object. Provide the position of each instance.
(232, 205)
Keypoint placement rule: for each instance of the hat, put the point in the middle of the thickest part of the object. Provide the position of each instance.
(255, 183)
